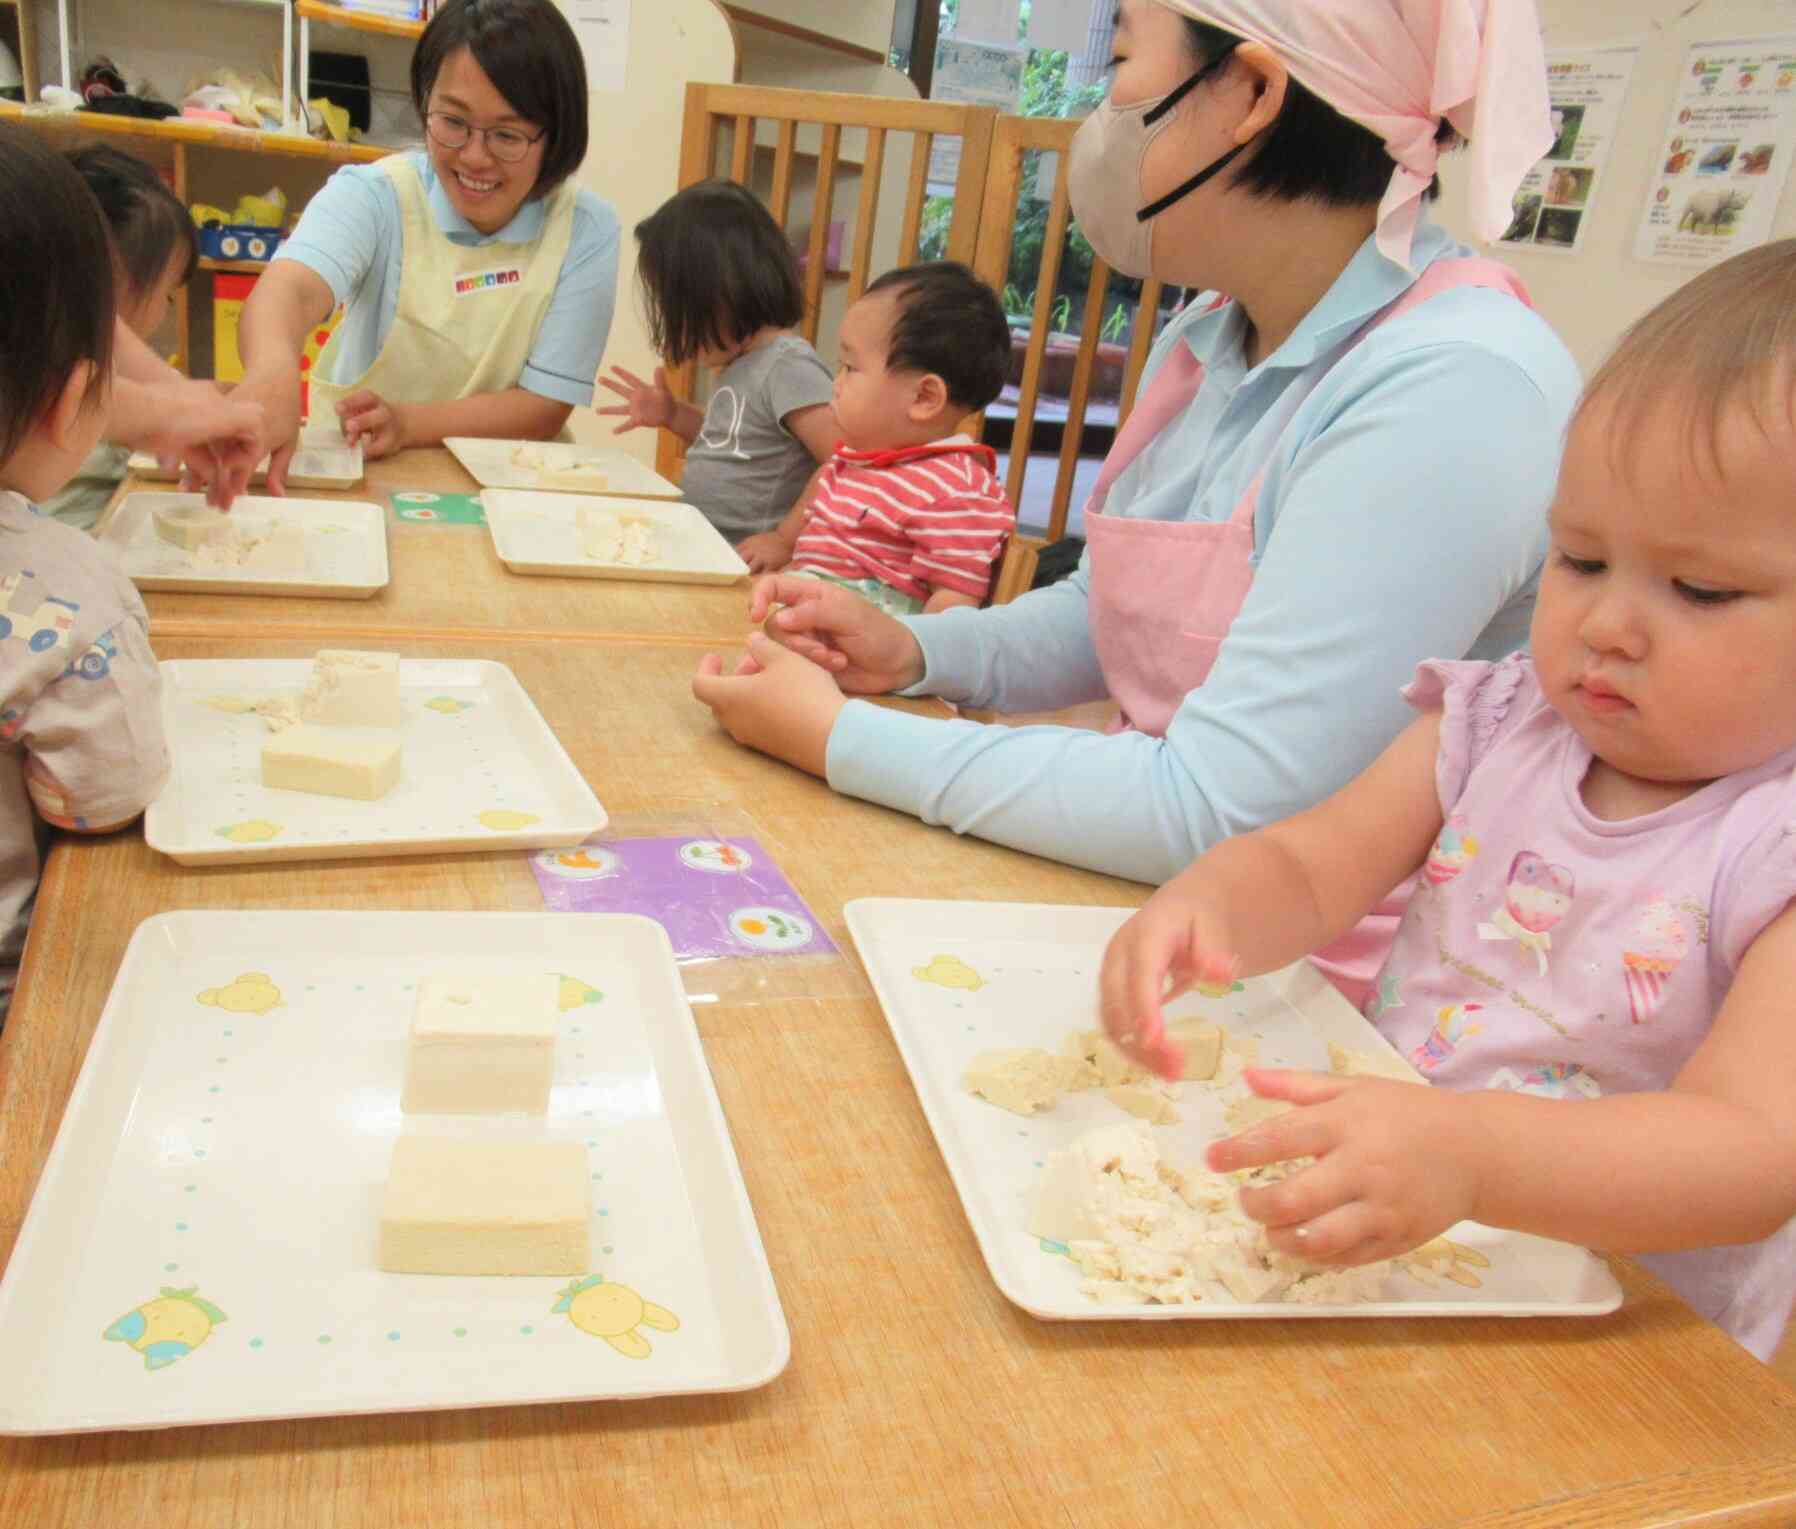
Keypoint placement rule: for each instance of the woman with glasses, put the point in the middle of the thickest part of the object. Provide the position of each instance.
(1334, 472)
(477, 283)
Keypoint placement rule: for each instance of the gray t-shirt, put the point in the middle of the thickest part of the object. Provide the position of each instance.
(746, 469)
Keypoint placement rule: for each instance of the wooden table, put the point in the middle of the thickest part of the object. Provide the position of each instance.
(915, 1393)
(448, 581)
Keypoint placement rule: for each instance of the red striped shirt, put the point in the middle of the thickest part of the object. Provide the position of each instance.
(919, 519)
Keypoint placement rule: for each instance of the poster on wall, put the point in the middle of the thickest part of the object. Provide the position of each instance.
(1586, 87)
(1719, 169)
(603, 27)
(969, 74)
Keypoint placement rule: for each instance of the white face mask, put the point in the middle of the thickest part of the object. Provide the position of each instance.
(1103, 176)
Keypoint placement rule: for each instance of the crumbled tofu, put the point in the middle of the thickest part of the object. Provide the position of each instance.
(1144, 1103)
(1022, 1080)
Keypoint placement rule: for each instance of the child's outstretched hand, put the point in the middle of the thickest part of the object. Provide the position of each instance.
(379, 425)
(1395, 1165)
(764, 552)
(1166, 949)
(645, 404)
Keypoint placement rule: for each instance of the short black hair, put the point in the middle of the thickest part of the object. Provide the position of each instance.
(1311, 153)
(56, 284)
(714, 269)
(148, 224)
(530, 53)
(951, 323)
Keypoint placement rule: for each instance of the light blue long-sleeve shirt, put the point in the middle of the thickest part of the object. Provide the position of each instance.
(352, 235)
(1402, 517)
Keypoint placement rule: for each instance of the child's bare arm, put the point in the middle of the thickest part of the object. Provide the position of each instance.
(1711, 1160)
(1260, 900)
(769, 551)
(946, 599)
(816, 427)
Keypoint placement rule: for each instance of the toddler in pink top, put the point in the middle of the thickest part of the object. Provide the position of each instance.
(1598, 957)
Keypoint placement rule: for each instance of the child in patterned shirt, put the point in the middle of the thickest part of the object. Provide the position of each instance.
(909, 512)
(1596, 965)
(80, 709)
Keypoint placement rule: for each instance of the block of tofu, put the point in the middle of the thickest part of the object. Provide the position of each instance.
(191, 526)
(1203, 1047)
(358, 762)
(454, 1206)
(482, 1043)
(353, 688)
(1024, 1079)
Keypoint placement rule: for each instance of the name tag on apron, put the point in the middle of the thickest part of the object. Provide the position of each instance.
(475, 282)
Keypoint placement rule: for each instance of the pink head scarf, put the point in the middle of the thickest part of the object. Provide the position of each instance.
(1397, 67)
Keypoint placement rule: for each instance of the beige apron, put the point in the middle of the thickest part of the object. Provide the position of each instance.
(467, 315)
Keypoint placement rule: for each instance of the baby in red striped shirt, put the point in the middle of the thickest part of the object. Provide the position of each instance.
(909, 512)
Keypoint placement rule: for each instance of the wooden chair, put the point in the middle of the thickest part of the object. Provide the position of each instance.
(1014, 137)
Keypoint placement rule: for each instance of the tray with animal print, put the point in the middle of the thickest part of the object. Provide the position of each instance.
(960, 980)
(479, 769)
(203, 1244)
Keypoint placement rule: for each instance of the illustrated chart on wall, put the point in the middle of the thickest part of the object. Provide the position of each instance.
(1719, 172)
(1554, 202)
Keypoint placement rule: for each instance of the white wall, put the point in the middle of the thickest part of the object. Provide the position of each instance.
(1591, 295)
(633, 161)
(866, 22)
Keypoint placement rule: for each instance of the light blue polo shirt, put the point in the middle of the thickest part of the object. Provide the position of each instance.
(1402, 517)
(351, 234)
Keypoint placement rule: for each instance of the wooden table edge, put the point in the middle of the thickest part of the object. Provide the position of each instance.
(1759, 1496)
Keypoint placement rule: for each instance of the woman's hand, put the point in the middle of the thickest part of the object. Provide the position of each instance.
(867, 651)
(773, 701)
(216, 439)
(648, 405)
(764, 552)
(1396, 1164)
(1175, 942)
(278, 398)
(380, 426)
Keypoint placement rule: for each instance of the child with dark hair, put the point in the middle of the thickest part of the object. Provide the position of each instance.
(720, 286)
(477, 282)
(80, 708)
(909, 513)
(154, 251)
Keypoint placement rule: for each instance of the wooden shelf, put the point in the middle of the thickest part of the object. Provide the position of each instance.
(356, 21)
(202, 135)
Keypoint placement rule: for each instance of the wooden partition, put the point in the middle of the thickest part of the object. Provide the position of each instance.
(1015, 137)
(805, 146)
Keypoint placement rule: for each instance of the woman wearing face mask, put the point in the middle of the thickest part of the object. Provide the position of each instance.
(478, 284)
(1332, 473)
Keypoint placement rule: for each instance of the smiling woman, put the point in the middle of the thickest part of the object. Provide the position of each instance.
(477, 284)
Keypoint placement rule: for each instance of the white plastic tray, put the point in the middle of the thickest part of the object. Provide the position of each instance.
(323, 460)
(481, 771)
(237, 1150)
(346, 548)
(489, 463)
(540, 533)
(1038, 967)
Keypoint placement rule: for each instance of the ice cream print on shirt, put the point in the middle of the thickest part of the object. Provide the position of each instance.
(1534, 899)
(1657, 943)
(1452, 850)
(722, 429)
(1452, 1024)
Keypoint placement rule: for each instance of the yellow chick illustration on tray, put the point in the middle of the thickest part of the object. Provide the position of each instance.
(255, 831)
(251, 993)
(949, 971)
(614, 1312)
(168, 1328)
(575, 994)
(448, 705)
(502, 820)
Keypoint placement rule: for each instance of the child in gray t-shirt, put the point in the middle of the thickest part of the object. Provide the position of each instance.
(720, 286)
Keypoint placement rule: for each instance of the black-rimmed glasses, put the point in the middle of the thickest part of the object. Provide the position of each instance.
(508, 144)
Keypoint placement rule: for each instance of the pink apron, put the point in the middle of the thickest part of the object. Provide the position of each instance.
(1164, 593)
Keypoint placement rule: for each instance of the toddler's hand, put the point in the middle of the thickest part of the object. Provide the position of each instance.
(867, 651)
(1395, 1165)
(1163, 951)
(645, 404)
(764, 552)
